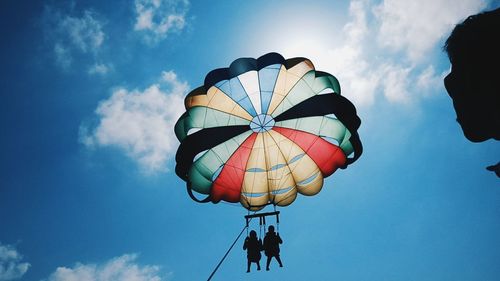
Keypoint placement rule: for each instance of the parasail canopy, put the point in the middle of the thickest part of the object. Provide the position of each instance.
(263, 130)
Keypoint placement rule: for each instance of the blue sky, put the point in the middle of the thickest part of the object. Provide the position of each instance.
(91, 91)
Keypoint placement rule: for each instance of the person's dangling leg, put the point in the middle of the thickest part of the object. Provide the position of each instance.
(268, 262)
(279, 260)
(258, 265)
(248, 265)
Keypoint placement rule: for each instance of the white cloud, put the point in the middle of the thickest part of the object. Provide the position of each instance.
(63, 56)
(384, 48)
(357, 29)
(123, 268)
(84, 33)
(11, 266)
(395, 83)
(73, 35)
(99, 68)
(416, 26)
(157, 18)
(348, 61)
(428, 79)
(140, 122)
(359, 81)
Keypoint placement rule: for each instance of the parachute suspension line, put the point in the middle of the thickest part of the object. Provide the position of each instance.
(277, 223)
(247, 222)
(260, 227)
(264, 220)
(229, 250)
(277, 220)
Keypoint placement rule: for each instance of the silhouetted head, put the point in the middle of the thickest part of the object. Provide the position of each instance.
(474, 81)
(271, 228)
(253, 234)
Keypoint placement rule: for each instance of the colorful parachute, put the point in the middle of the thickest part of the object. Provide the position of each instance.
(263, 130)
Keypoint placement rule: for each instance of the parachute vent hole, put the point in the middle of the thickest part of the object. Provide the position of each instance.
(217, 172)
(351, 155)
(331, 116)
(326, 91)
(193, 130)
(199, 155)
(331, 140)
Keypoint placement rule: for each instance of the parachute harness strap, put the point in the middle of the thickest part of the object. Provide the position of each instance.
(277, 220)
(229, 250)
(264, 221)
(260, 227)
(247, 221)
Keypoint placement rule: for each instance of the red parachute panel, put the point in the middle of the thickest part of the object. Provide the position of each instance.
(326, 155)
(227, 186)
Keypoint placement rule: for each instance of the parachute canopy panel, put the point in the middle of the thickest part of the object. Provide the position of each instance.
(264, 130)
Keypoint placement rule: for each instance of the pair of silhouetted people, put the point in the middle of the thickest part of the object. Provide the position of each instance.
(474, 81)
(271, 248)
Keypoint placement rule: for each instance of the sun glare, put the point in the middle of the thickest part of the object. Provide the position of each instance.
(299, 31)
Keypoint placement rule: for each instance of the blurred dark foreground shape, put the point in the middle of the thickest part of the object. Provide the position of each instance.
(474, 81)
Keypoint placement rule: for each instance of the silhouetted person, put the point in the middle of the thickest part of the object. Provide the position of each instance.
(253, 247)
(272, 243)
(474, 81)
